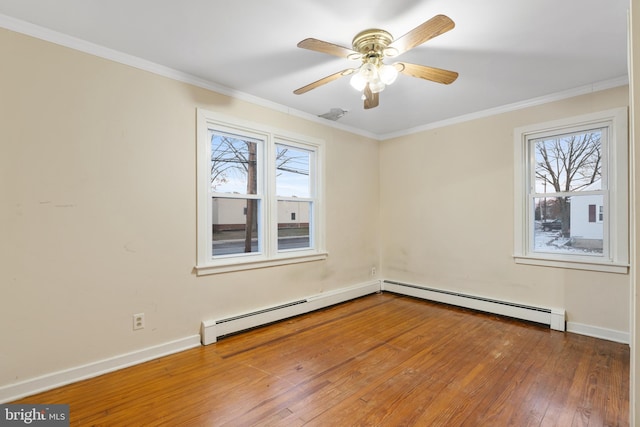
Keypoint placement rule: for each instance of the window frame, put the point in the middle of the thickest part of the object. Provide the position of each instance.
(312, 199)
(615, 257)
(269, 255)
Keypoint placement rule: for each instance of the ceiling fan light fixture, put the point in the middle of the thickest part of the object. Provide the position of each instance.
(372, 46)
(368, 71)
(358, 82)
(376, 85)
(375, 75)
(388, 74)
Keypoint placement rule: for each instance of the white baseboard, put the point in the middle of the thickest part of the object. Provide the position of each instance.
(26, 388)
(597, 332)
(213, 328)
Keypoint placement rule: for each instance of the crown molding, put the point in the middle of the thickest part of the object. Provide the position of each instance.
(570, 93)
(75, 43)
(84, 46)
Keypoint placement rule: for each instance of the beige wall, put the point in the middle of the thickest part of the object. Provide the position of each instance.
(447, 203)
(99, 211)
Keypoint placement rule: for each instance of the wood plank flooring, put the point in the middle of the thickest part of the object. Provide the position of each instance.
(381, 360)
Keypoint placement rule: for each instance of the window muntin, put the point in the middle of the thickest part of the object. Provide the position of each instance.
(561, 169)
(258, 196)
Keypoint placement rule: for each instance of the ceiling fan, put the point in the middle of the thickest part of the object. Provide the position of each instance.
(372, 46)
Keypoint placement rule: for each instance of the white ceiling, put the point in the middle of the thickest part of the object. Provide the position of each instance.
(507, 52)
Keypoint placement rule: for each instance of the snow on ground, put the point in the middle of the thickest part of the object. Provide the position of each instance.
(553, 242)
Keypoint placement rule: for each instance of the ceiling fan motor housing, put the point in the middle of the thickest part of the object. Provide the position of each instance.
(372, 43)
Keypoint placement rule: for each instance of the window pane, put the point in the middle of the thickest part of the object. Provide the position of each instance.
(571, 162)
(233, 164)
(235, 226)
(563, 225)
(293, 224)
(292, 175)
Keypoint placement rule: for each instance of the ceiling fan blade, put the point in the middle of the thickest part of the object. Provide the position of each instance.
(437, 75)
(371, 100)
(435, 26)
(329, 48)
(323, 81)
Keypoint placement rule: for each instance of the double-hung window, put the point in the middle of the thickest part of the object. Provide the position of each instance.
(571, 193)
(259, 196)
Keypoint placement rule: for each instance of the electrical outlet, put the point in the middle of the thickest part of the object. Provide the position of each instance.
(138, 321)
(373, 271)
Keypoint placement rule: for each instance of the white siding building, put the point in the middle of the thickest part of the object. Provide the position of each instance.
(587, 218)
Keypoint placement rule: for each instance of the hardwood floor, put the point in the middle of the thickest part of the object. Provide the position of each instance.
(381, 360)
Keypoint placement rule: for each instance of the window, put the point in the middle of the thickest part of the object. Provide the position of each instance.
(571, 193)
(259, 196)
(592, 213)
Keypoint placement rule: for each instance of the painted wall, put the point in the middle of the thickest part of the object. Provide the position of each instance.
(447, 205)
(99, 211)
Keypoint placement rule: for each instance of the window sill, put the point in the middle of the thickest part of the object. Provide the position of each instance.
(605, 267)
(251, 264)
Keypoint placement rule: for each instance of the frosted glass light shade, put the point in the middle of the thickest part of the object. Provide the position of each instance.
(376, 85)
(368, 71)
(388, 74)
(358, 82)
(378, 77)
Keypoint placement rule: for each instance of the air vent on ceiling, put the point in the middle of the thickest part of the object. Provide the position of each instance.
(333, 114)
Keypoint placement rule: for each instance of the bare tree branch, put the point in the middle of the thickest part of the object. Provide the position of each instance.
(568, 163)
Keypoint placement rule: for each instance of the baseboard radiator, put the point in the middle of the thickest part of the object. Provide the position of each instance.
(555, 318)
(211, 330)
